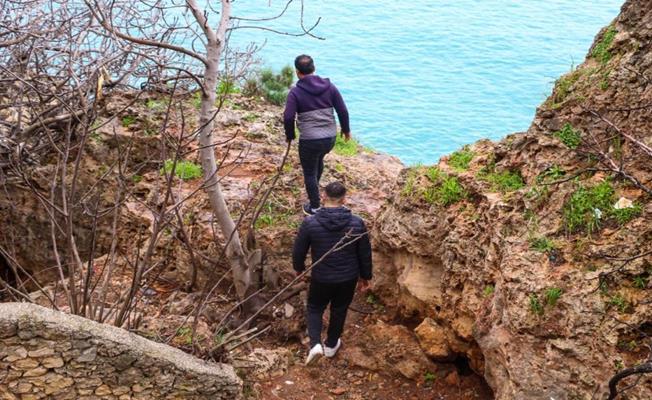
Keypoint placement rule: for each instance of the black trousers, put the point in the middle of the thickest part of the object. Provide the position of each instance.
(339, 296)
(311, 155)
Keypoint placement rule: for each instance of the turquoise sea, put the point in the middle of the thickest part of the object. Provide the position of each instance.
(421, 78)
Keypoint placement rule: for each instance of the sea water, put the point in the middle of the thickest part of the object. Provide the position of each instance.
(422, 78)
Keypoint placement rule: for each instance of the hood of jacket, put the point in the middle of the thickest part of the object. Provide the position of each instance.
(314, 84)
(334, 219)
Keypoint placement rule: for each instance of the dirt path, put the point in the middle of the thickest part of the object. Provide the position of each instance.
(370, 366)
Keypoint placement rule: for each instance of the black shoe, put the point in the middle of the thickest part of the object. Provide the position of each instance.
(308, 210)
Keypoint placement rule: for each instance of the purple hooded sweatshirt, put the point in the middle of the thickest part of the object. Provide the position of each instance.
(312, 102)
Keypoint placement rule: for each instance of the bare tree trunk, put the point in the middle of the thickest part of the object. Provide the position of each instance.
(240, 259)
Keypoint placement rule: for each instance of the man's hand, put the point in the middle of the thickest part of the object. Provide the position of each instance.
(364, 285)
(346, 136)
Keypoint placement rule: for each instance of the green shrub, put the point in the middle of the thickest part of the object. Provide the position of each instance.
(542, 244)
(601, 50)
(344, 148)
(156, 105)
(569, 136)
(619, 302)
(185, 170)
(563, 86)
(128, 120)
(552, 295)
(227, 86)
(624, 215)
(640, 282)
(429, 377)
(461, 159)
(445, 191)
(535, 304)
(274, 87)
(551, 174)
(433, 174)
(507, 181)
(587, 207)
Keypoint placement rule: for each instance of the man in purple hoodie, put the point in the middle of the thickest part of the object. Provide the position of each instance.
(311, 103)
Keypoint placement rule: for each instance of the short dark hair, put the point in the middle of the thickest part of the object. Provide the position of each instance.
(304, 64)
(335, 190)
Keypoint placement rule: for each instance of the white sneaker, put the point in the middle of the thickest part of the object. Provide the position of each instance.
(314, 354)
(330, 351)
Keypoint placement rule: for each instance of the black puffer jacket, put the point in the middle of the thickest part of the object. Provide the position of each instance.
(320, 233)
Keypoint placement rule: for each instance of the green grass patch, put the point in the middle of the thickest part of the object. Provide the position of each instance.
(551, 174)
(569, 136)
(552, 295)
(624, 215)
(640, 282)
(445, 189)
(488, 290)
(344, 148)
(618, 302)
(535, 304)
(128, 120)
(588, 207)
(156, 105)
(429, 377)
(410, 185)
(185, 170)
(564, 87)
(601, 50)
(506, 181)
(461, 159)
(542, 244)
(226, 87)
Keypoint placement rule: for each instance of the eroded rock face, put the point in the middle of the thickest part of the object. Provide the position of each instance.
(470, 273)
(45, 353)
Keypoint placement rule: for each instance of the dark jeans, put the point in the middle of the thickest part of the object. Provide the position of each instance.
(339, 295)
(311, 155)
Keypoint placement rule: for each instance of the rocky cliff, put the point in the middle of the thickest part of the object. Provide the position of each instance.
(531, 257)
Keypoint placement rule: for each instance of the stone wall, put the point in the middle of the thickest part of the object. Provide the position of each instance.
(49, 354)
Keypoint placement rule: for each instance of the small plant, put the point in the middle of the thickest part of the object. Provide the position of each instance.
(542, 244)
(601, 50)
(535, 305)
(618, 365)
(429, 377)
(619, 302)
(624, 215)
(156, 105)
(639, 282)
(410, 182)
(371, 299)
(345, 148)
(227, 86)
(552, 295)
(274, 87)
(587, 206)
(507, 181)
(136, 178)
(488, 290)
(564, 86)
(551, 174)
(185, 334)
(340, 168)
(447, 191)
(128, 120)
(569, 136)
(196, 99)
(185, 170)
(461, 159)
(433, 174)
(251, 117)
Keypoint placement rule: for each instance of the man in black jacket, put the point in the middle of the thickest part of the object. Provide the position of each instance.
(335, 278)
